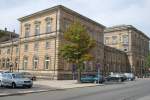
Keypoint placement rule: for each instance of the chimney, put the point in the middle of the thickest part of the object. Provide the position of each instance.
(5, 29)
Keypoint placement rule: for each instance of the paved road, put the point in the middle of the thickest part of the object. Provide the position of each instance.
(35, 88)
(126, 91)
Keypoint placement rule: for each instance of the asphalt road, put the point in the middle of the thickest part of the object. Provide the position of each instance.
(135, 90)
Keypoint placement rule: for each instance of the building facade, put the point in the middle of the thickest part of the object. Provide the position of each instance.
(130, 40)
(115, 61)
(41, 35)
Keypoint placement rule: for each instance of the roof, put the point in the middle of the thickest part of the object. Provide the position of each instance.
(124, 27)
(56, 8)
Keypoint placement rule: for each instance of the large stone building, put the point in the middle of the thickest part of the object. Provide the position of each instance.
(41, 34)
(130, 40)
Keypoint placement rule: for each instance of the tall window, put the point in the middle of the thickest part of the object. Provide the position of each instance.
(47, 44)
(48, 24)
(66, 23)
(3, 62)
(35, 62)
(7, 63)
(25, 62)
(27, 31)
(47, 62)
(25, 47)
(0, 63)
(125, 39)
(106, 40)
(36, 46)
(48, 27)
(8, 51)
(37, 29)
(17, 49)
(114, 39)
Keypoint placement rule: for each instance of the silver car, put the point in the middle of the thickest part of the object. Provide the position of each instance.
(130, 76)
(15, 80)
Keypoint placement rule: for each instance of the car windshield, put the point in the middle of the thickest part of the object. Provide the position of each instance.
(17, 76)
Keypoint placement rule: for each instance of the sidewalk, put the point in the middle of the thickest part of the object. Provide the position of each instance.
(64, 84)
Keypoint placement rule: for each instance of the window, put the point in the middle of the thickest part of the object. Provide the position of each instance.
(106, 40)
(25, 47)
(125, 39)
(35, 62)
(0, 63)
(25, 62)
(114, 39)
(16, 62)
(17, 49)
(48, 27)
(47, 62)
(3, 63)
(8, 51)
(66, 23)
(27, 31)
(37, 29)
(48, 24)
(36, 46)
(7, 63)
(47, 44)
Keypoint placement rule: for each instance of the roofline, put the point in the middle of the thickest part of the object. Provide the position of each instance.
(124, 27)
(60, 7)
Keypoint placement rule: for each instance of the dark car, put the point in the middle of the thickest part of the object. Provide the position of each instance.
(28, 75)
(92, 79)
(116, 77)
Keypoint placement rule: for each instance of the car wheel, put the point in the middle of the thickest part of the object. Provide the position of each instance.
(0, 84)
(95, 82)
(13, 85)
(29, 86)
(119, 80)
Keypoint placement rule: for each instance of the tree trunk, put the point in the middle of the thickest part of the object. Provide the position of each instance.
(79, 75)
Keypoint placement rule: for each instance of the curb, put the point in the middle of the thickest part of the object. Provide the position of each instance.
(39, 91)
(26, 92)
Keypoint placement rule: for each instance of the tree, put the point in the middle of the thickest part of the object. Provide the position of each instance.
(77, 46)
(147, 63)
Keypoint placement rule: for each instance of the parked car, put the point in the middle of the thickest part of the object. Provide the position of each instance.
(1, 79)
(16, 80)
(116, 77)
(28, 75)
(92, 79)
(130, 76)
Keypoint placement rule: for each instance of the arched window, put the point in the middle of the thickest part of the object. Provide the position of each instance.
(35, 62)
(47, 62)
(25, 63)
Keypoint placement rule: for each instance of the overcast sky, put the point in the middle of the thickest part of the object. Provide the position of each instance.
(106, 12)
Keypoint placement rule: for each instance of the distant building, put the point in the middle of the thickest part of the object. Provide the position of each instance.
(130, 40)
(8, 35)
